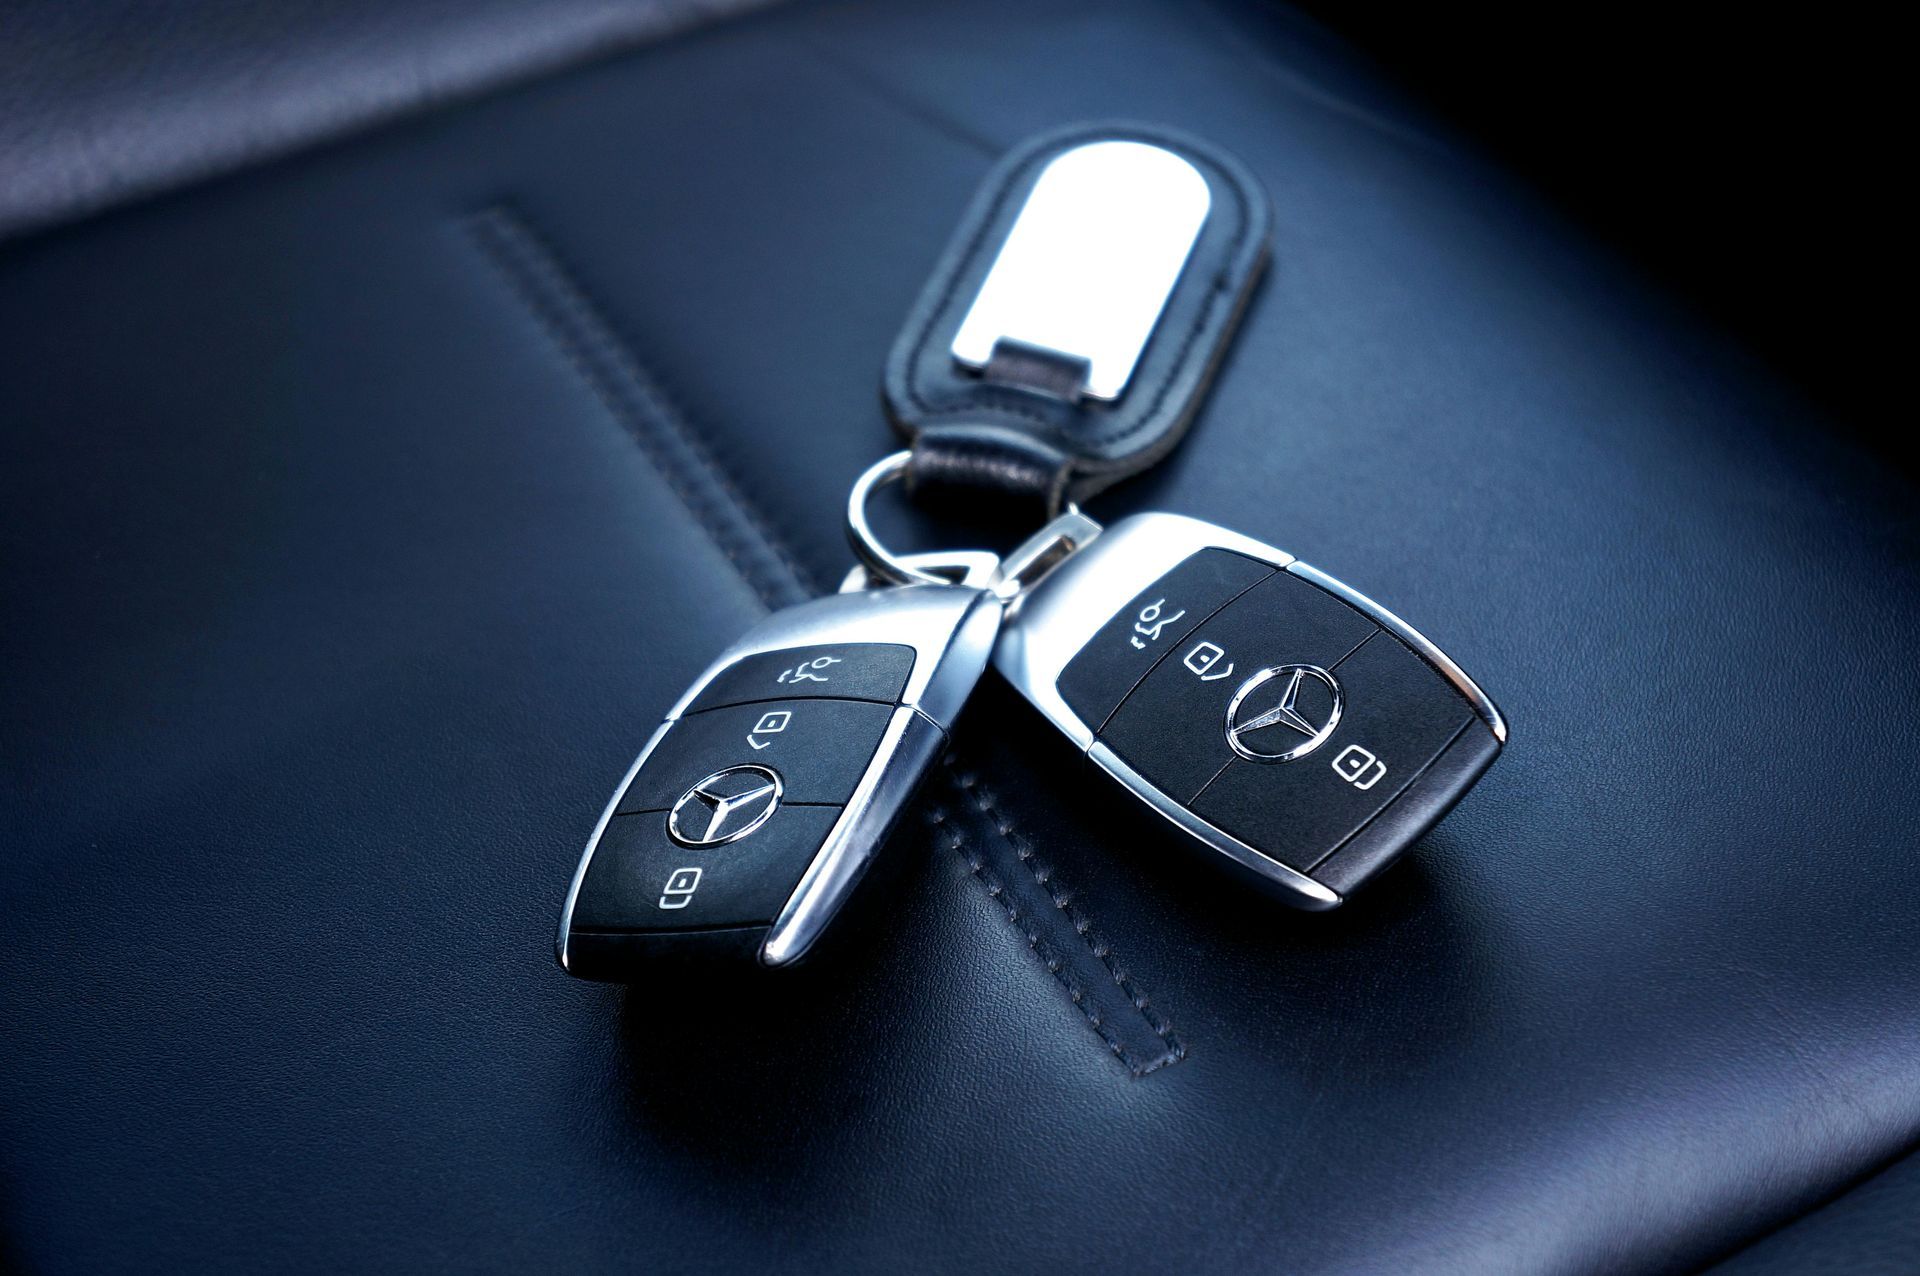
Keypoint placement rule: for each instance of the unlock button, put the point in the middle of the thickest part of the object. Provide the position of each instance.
(1204, 661)
(1153, 625)
(818, 748)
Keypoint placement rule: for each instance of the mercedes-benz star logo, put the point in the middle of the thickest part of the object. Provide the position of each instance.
(724, 807)
(1283, 713)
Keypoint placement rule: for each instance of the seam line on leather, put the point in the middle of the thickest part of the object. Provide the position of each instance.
(876, 86)
(1231, 39)
(578, 327)
(302, 134)
(946, 827)
(970, 787)
(1733, 1255)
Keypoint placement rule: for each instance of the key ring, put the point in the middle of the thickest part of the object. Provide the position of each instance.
(1022, 567)
(875, 557)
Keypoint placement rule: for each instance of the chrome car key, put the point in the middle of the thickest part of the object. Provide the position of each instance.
(1291, 724)
(760, 801)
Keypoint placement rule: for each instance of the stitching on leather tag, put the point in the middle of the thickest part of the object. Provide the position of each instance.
(1105, 440)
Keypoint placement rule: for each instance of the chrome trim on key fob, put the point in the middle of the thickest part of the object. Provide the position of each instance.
(949, 631)
(1267, 710)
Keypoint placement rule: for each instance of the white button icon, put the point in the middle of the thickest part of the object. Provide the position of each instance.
(1151, 623)
(770, 724)
(681, 884)
(1359, 767)
(809, 670)
(1203, 658)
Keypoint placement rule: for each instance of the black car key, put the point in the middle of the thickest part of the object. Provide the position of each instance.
(751, 814)
(1291, 724)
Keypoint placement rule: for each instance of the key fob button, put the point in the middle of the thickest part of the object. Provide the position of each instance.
(1155, 622)
(1397, 714)
(642, 879)
(839, 671)
(736, 836)
(1415, 809)
(1302, 733)
(818, 748)
(1269, 648)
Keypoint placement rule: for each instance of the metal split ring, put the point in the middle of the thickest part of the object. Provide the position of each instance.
(1022, 567)
(875, 557)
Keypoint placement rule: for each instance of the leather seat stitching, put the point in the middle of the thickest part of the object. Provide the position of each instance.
(579, 328)
(1063, 900)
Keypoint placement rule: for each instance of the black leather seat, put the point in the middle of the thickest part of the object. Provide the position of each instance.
(361, 510)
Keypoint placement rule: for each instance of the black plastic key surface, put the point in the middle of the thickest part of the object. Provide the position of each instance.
(819, 748)
(641, 879)
(1152, 624)
(1172, 728)
(1292, 722)
(1430, 795)
(1397, 716)
(758, 806)
(839, 671)
(1298, 730)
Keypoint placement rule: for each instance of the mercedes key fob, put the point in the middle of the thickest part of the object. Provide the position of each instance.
(1287, 722)
(746, 821)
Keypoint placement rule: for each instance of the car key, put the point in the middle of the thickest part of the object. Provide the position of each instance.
(753, 811)
(1286, 721)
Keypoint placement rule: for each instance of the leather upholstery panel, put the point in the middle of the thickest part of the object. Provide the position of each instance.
(1873, 1230)
(103, 101)
(340, 593)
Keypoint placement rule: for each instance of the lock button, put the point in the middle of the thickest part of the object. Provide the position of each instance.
(1155, 622)
(642, 879)
(1396, 716)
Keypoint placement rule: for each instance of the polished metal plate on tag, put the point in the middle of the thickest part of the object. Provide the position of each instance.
(1089, 263)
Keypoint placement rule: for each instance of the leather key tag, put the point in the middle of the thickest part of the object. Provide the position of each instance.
(1074, 322)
